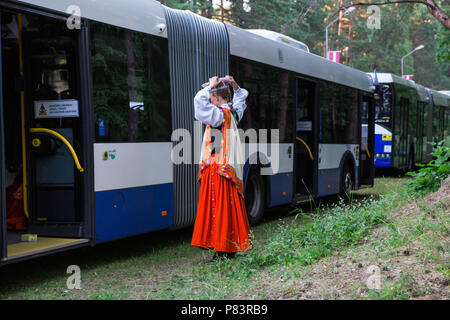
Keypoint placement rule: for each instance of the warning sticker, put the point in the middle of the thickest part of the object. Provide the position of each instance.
(56, 109)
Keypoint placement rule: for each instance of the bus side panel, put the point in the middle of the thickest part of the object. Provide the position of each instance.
(281, 187)
(330, 166)
(280, 179)
(128, 212)
(329, 182)
(133, 189)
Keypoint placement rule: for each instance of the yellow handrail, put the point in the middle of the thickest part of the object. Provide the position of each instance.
(367, 149)
(309, 150)
(56, 134)
(22, 120)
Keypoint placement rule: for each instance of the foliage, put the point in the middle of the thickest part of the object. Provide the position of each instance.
(429, 177)
(443, 52)
(204, 7)
(329, 230)
(403, 28)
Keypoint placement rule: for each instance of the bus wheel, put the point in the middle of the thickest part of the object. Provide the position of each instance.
(347, 181)
(254, 198)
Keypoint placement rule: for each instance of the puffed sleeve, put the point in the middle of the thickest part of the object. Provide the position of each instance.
(239, 101)
(206, 112)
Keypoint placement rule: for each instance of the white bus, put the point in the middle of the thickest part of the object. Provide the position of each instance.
(89, 107)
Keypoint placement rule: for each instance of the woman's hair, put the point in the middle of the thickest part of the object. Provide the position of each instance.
(224, 94)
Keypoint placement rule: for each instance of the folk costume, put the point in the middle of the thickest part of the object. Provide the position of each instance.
(221, 222)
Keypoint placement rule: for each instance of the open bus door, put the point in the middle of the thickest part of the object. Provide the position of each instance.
(306, 113)
(44, 133)
(367, 162)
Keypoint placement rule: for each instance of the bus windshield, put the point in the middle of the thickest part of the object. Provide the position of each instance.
(383, 106)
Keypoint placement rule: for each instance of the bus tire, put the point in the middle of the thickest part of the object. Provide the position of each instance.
(347, 180)
(254, 197)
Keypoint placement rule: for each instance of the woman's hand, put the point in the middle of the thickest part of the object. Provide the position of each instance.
(233, 83)
(213, 82)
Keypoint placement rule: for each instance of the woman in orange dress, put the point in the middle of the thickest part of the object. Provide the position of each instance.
(221, 223)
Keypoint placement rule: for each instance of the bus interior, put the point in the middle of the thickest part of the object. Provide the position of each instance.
(42, 136)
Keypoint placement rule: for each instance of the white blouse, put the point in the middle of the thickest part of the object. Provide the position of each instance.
(208, 113)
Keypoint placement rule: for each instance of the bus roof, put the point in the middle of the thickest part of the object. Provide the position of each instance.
(440, 99)
(252, 46)
(280, 38)
(143, 15)
(393, 78)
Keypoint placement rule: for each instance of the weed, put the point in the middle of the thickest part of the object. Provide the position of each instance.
(429, 177)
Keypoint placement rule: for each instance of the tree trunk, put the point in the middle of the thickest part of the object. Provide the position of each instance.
(133, 114)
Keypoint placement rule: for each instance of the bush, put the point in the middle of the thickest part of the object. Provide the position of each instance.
(430, 175)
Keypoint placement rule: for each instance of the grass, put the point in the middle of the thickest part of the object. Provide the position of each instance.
(298, 252)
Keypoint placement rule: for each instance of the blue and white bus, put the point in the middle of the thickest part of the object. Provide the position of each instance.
(94, 94)
(407, 117)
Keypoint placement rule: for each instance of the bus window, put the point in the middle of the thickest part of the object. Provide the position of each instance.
(268, 106)
(131, 85)
(338, 114)
(383, 107)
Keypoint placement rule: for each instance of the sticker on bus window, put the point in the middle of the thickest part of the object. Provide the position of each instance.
(387, 149)
(304, 125)
(101, 128)
(56, 109)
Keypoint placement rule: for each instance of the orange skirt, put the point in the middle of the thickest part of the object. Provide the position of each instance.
(221, 222)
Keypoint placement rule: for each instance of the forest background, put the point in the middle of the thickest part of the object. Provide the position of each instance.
(364, 45)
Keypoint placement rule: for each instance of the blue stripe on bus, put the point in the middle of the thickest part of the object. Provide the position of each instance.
(329, 181)
(383, 162)
(127, 212)
(281, 189)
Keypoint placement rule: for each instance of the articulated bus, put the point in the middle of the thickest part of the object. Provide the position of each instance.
(94, 96)
(408, 117)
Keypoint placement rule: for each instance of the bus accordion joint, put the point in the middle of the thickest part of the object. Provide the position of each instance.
(306, 145)
(59, 136)
(367, 149)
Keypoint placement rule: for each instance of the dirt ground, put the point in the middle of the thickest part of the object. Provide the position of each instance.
(377, 269)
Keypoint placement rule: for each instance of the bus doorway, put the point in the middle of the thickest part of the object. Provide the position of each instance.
(42, 133)
(305, 138)
(367, 147)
